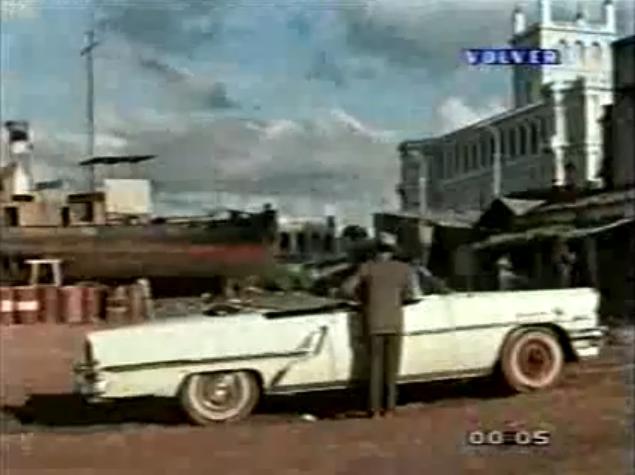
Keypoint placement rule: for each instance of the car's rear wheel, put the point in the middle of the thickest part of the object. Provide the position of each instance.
(210, 398)
(532, 360)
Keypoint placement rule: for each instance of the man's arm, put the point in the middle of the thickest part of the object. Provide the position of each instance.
(350, 288)
(409, 287)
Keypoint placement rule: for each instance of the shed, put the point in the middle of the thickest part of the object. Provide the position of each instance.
(503, 212)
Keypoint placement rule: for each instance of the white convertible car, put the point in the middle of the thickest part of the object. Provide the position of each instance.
(219, 366)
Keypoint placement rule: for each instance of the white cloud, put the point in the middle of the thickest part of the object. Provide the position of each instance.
(333, 160)
(453, 113)
(276, 129)
(17, 9)
(355, 125)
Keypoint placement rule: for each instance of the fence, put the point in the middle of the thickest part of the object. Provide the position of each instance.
(36, 304)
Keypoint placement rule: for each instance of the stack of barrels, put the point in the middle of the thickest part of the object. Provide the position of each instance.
(127, 304)
(79, 304)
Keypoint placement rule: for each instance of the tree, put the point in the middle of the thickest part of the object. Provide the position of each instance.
(354, 233)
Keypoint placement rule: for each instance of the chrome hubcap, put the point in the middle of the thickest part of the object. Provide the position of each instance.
(220, 392)
(536, 360)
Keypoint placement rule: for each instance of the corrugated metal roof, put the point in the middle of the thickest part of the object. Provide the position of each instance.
(461, 219)
(543, 232)
(599, 199)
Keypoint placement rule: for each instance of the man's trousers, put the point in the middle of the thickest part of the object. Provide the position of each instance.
(385, 357)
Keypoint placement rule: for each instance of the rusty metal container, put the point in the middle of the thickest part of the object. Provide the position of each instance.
(136, 303)
(49, 297)
(72, 308)
(27, 304)
(117, 311)
(94, 304)
(7, 305)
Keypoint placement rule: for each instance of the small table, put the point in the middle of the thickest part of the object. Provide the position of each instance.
(56, 268)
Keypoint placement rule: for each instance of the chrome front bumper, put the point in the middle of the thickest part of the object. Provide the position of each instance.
(587, 343)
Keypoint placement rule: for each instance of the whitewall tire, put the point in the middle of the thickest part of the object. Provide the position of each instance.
(210, 398)
(532, 360)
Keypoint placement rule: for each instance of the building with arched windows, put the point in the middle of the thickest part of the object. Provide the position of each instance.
(551, 136)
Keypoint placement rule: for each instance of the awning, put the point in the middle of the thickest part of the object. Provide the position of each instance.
(546, 232)
(114, 160)
(599, 229)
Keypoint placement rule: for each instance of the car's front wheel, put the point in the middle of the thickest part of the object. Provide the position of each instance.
(209, 398)
(532, 360)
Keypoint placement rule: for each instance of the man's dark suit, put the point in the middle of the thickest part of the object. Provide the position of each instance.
(383, 285)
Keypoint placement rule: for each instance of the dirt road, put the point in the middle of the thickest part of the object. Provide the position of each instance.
(589, 416)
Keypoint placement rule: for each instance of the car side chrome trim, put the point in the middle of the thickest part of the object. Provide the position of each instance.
(203, 361)
(409, 379)
(485, 326)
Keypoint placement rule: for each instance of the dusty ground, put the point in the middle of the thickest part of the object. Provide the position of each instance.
(589, 416)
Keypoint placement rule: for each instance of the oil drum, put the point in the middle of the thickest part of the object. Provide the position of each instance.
(136, 302)
(94, 300)
(72, 304)
(27, 305)
(117, 306)
(7, 305)
(49, 297)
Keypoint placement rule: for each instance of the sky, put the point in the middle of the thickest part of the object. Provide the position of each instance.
(298, 103)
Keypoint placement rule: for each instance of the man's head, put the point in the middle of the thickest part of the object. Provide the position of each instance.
(504, 262)
(386, 246)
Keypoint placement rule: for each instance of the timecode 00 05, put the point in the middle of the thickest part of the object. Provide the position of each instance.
(522, 438)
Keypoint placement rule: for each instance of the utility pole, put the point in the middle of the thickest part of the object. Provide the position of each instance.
(87, 51)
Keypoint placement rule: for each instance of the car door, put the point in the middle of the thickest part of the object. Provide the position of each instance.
(429, 342)
(428, 349)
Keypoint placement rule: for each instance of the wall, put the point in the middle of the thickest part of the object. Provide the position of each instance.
(128, 196)
(36, 213)
(15, 181)
(307, 238)
(458, 168)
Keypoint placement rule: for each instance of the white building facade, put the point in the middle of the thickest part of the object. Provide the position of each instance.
(552, 136)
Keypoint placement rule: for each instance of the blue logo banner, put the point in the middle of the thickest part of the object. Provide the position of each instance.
(512, 56)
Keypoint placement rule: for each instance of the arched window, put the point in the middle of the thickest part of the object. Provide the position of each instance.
(285, 242)
(580, 52)
(596, 54)
(442, 162)
(512, 143)
(474, 161)
(523, 140)
(466, 158)
(533, 137)
(484, 151)
(492, 148)
(504, 145)
(565, 52)
(455, 160)
(544, 129)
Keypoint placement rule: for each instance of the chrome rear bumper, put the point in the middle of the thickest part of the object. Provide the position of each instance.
(87, 381)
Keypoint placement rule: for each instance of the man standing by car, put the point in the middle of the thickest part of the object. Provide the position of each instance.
(382, 284)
